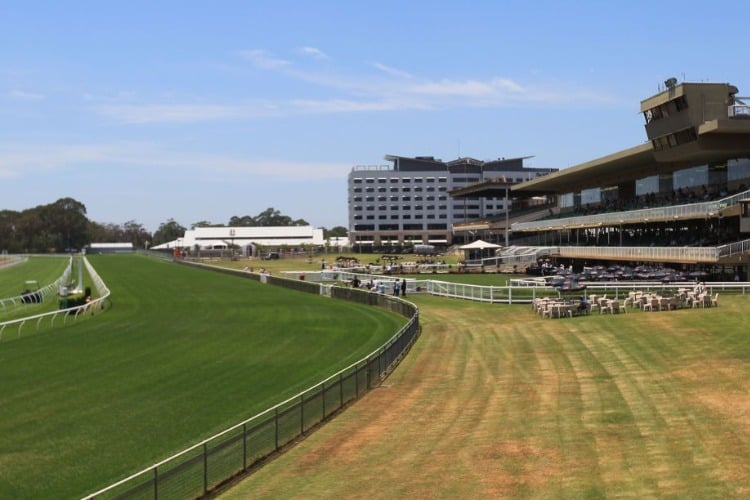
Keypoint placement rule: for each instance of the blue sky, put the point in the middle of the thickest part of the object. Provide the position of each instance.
(151, 110)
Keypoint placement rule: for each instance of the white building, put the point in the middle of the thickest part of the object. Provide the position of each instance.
(248, 239)
(408, 202)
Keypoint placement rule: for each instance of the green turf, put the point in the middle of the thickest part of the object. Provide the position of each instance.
(179, 355)
(495, 402)
(45, 270)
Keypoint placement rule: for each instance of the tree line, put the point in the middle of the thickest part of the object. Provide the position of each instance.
(63, 226)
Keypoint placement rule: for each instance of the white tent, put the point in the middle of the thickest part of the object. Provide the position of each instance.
(480, 245)
(479, 249)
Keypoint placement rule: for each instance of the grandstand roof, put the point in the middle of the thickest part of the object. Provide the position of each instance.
(623, 165)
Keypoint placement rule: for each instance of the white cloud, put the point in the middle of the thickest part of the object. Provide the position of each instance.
(262, 59)
(389, 89)
(22, 95)
(392, 71)
(28, 161)
(313, 52)
(168, 113)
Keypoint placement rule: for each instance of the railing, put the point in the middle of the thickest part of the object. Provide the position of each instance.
(650, 254)
(738, 247)
(676, 212)
(739, 111)
(42, 293)
(519, 291)
(207, 465)
(93, 307)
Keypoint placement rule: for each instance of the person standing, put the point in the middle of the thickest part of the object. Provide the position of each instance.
(403, 288)
(396, 288)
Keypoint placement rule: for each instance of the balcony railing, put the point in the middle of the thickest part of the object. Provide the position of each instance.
(690, 211)
(741, 111)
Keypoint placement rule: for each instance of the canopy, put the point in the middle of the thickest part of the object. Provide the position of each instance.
(479, 245)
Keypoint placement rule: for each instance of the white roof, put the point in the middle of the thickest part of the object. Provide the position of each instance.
(208, 237)
(110, 246)
(478, 245)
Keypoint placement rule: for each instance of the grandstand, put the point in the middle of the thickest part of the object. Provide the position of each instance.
(680, 199)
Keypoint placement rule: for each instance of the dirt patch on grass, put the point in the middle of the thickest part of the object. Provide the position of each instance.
(486, 407)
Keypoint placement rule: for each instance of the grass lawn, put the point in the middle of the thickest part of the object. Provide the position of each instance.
(44, 270)
(179, 355)
(495, 402)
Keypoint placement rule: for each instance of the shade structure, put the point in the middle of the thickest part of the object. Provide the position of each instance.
(479, 245)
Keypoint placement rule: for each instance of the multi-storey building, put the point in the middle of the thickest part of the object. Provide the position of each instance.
(680, 198)
(409, 201)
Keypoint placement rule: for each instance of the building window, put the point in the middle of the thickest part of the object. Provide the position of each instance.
(680, 103)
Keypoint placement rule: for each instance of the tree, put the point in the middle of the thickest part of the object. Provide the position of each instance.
(268, 217)
(168, 231)
(203, 223)
(335, 232)
(136, 234)
(65, 225)
(9, 239)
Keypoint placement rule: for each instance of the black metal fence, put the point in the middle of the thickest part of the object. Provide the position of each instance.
(203, 468)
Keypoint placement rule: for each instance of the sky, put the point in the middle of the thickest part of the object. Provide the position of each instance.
(194, 111)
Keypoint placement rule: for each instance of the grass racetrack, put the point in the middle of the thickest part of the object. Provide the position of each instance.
(179, 354)
(494, 402)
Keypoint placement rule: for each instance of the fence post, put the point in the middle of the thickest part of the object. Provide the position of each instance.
(323, 399)
(276, 429)
(244, 446)
(156, 483)
(205, 468)
(341, 390)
